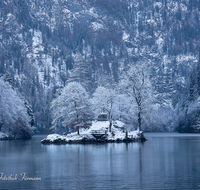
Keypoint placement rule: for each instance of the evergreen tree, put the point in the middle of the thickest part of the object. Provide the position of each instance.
(79, 73)
(193, 86)
(30, 113)
(198, 75)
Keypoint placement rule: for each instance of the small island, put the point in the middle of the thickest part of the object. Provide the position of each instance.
(3, 136)
(101, 131)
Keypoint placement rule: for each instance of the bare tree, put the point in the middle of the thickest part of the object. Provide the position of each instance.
(136, 84)
(137, 94)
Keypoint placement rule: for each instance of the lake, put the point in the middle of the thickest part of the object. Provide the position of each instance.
(165, 161)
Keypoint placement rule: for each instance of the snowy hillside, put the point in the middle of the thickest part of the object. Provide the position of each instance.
(40, 42)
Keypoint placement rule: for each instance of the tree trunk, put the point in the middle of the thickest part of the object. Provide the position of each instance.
(105, 134)
(78, 130)
(139, 120)
(110, 126)
(126, 135)
(77, 119)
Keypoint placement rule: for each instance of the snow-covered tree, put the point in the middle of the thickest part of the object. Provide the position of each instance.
(7, 78)
(104, 98)
(1, 119)
(79, 73)
(116, 104)
(124, 108)
(72, 108)
(103, 78)
(14, 119)
(30, 113)
(136, 85)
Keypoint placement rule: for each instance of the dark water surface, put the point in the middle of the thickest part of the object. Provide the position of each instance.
(165, 161)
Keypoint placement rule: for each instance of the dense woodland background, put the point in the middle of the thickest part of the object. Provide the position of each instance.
(47, 44)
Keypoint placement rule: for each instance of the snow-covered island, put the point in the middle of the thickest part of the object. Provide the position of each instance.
(100, 131)
(3, 136)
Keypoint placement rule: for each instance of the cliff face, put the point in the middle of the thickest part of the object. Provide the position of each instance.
(39, 40)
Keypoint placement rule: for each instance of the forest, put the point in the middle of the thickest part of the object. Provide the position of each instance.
(138, 60)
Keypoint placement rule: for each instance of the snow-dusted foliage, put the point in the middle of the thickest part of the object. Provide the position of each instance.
(14, 119)
(188, 107)
(104, 99)
(30, 113)
(110, 100)
(46, 44)
(132, 101)
(71, 109)
(7, 78)
(79, 73)
(136, 86)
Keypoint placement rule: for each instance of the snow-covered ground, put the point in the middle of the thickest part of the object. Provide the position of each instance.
(3, 136)
(102, 127)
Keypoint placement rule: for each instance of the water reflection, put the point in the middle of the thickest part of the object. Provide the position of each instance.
(163, 162)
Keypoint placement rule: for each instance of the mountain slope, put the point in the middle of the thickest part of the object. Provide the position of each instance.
(39, 41)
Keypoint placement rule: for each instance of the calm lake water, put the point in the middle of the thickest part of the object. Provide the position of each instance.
(165, 161)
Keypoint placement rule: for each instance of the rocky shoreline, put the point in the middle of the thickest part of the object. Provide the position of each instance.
(4, 137)
(90, 141)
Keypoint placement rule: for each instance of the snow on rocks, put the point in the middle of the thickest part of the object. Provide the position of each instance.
(98, 132)
(3, 136)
